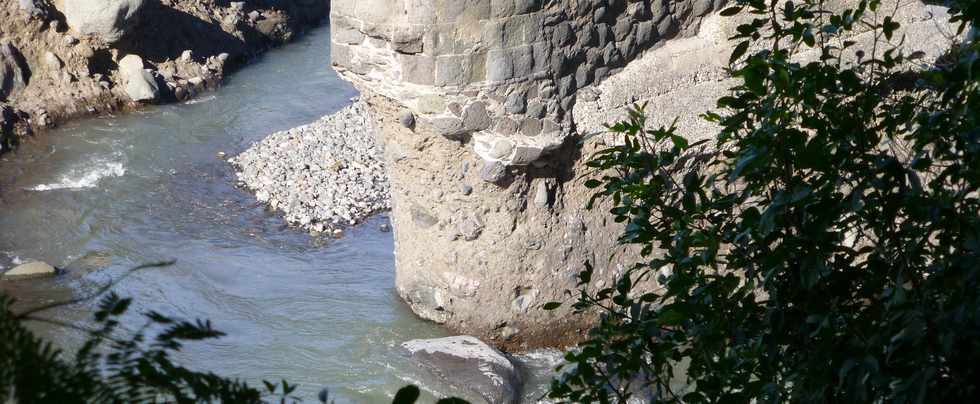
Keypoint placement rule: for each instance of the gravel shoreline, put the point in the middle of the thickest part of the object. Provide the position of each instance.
(323, 176)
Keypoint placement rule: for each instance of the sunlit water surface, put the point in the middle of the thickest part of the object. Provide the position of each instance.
(99, 196)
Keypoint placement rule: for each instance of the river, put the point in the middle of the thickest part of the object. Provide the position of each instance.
(99, 196)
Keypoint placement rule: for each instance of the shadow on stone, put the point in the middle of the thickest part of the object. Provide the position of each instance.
(164, 33)
(14, 71)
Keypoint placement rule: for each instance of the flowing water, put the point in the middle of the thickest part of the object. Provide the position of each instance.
(102, 195)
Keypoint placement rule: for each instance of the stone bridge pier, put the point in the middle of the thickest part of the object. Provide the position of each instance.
(474, 102)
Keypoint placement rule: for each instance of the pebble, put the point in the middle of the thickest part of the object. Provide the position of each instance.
(493, 172)
(322, 176)
(407, 119)
(541, 195)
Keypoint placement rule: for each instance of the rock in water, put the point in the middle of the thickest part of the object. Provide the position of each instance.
(470, 365)
(139, 83)
(107, 19)
(30, 270)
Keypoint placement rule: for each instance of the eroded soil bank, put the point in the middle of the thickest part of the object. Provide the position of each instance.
(63, 59)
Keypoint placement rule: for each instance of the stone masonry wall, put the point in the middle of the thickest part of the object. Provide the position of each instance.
(474, 101)
(504, 71)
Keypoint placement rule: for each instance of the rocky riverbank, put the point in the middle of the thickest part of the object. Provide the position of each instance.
(322, 176)
(61, 59)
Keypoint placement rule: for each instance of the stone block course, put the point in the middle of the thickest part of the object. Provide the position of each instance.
(500, 65)
(440, 39)
(407, 38)
(345, 30)
(417, 69)
(452, 70)
(478, 67)
(475, 117)
(523, 57)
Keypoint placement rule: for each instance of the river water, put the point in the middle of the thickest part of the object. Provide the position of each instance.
(99, 196)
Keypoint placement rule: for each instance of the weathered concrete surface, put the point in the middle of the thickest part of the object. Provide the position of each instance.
(488, 183)
(488, 202)
(482, 257)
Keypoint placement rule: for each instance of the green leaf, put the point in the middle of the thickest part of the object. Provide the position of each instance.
(728, 12)
(889, 26)
(585, 276)
(670, 317)
(406, 395)
(452, 400)
(738, 52)
(808, 38)
(121, 306)
(551, 305)
(624, 285)
(679, 142)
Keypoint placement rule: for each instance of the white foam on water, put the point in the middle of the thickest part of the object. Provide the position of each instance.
(199, 100)
(87, 178)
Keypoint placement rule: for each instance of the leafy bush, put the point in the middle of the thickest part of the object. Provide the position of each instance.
(824, 248)
(136, 369)
(111, 369)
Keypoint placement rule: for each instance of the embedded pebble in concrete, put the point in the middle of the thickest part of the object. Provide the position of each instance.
(322, 176)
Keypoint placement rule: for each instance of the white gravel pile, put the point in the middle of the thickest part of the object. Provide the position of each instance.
(322, 176)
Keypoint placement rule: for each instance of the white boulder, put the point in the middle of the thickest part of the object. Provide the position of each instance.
(137, 81)
(471, 366)
(30, 270)
(108, 20)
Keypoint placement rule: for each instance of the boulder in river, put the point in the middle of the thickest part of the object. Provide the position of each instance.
(469, 365)
(108, 20)
(139, 83)
(35, 269)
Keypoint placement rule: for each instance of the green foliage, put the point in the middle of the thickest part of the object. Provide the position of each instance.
(110, 369)
(824, 248)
